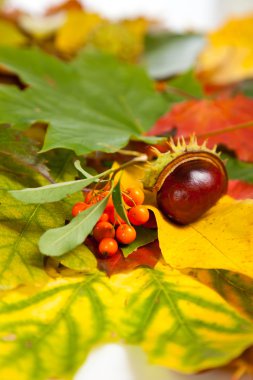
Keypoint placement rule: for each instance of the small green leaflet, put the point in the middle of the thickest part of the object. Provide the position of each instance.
(54, 192)
(143, 237)
(57, 241)
(118, 203)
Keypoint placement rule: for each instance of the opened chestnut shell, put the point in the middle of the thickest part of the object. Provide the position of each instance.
(190, 185)
(188, 180)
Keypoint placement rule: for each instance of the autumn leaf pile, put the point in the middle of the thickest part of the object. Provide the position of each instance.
(100, 96)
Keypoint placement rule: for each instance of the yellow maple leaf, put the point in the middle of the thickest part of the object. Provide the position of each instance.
(222, 238)
(75, 31)
(228, 56)
(10, 35)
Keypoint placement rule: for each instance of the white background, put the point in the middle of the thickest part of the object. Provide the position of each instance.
(118, 362)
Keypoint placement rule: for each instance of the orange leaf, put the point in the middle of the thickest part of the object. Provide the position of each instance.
(209, 116)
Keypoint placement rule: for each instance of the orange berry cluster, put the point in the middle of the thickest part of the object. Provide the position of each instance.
(111, 229)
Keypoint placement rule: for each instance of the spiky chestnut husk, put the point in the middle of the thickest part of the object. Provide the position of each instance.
(188, 180)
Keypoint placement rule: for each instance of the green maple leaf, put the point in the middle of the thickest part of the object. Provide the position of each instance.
(179, 322)
(92, 103)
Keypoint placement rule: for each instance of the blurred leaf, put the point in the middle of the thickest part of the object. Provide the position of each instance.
(187, 84)
(228, 56)
(10, 35)
(238, 169)
(75, 31)
(94, 111)
(240, 189)
(168, 54)
(212, 116)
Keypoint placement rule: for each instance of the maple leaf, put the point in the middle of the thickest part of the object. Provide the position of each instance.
(207, 117)
(159, 310)
(95, 112)
(214, 241)
(228, 56)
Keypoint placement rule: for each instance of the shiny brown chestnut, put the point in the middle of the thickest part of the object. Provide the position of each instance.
(191, 180)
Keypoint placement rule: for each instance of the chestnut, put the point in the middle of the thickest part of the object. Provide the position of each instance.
(188, 181)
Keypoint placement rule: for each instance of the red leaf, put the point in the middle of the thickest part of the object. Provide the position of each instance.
(213, 115)
(147, 255)
(240, 190)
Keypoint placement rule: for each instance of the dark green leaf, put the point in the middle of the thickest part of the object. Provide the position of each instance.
(239, 169)
(93, 103)
(57, 241)
(118, 203)
(143, 237)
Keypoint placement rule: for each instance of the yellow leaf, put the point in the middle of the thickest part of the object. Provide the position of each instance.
(10, 35)
(228, 56)
(222, 238)
(75, 31)
(125, 39)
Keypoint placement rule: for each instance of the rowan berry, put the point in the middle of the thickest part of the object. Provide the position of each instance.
(133, 196)
(125, 234)
(108, 247)
(138, 215)
(103, 230)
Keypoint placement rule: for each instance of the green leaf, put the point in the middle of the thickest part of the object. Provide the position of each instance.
(239, 169)
(143, 237)
(186, 85)
(168, 54)
(80, 259)
(57, 241)
(92, 103)
(118, 202)
(54, 192)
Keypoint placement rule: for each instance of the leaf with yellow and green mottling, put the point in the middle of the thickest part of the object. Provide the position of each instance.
(22, 225)
(235, 288)
(220, 239)
(178, 321)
